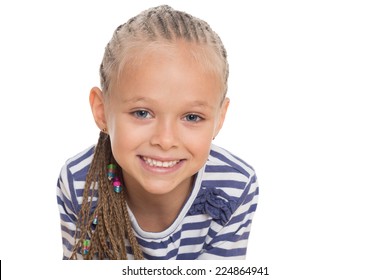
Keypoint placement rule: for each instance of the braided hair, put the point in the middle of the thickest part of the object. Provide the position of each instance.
(113, 233)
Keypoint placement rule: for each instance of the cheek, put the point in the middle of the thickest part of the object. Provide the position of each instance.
(198, 143)
(124, 137)
(124, 145)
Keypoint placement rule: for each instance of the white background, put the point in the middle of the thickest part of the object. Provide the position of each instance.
(310, 98)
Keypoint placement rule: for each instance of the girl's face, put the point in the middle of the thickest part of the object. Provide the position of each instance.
(162, 115)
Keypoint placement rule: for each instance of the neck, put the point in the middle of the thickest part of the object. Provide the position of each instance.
(156, 212)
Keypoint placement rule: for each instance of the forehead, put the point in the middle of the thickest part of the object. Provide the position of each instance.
(162, 69)
(202, 56)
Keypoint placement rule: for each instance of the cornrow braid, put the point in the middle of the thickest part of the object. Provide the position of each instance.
(159, 25)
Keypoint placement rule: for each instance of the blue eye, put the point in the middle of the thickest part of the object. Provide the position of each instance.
(142, 114)
(193, 118)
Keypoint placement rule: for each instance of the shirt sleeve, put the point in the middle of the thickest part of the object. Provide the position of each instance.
(66, 204)
(230, 240)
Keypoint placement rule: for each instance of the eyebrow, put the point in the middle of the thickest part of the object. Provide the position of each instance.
(196, 103)
(134, 99)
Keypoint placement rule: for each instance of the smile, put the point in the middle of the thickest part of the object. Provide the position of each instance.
(156, 163)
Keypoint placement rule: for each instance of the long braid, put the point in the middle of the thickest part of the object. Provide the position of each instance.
(157, 25)
(108, 238)
(130, 233)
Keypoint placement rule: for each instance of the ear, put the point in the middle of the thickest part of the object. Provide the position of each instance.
(96, 101)
(222, 114)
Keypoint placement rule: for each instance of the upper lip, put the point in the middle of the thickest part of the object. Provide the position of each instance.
(157, 158)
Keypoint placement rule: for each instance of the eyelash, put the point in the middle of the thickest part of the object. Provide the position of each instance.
(138, 112)
(138, 115)
(198, 118)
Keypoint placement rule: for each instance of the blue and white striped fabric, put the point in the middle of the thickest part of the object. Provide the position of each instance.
(214, 223)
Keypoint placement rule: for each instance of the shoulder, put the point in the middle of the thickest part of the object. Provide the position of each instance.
(223, 161)
(227, 183)
(77, 166)
(227, 171)
(73, 175)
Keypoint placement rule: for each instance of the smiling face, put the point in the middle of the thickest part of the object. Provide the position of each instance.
(162, 115)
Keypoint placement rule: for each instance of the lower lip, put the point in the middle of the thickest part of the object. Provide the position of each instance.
(161, 170)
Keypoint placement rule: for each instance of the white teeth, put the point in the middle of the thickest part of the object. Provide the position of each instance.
(157, 163)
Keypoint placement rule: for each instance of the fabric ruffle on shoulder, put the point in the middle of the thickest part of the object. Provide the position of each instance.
(214, 202)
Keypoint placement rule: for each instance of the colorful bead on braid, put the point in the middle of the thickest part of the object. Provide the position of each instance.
(117, 185)
(95, 220)
(112, 176)
(111, 171)
(86, 246)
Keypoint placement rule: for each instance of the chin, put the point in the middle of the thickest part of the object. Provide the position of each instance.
(158, 190)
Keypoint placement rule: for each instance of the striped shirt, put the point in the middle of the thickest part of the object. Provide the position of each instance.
(213, 224)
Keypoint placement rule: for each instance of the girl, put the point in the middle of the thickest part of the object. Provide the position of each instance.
(154, 186)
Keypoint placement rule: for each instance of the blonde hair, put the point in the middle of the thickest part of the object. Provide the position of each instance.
(155, 27)
(162, 26)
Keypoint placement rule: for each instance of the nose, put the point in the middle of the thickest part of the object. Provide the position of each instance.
(165, 134)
